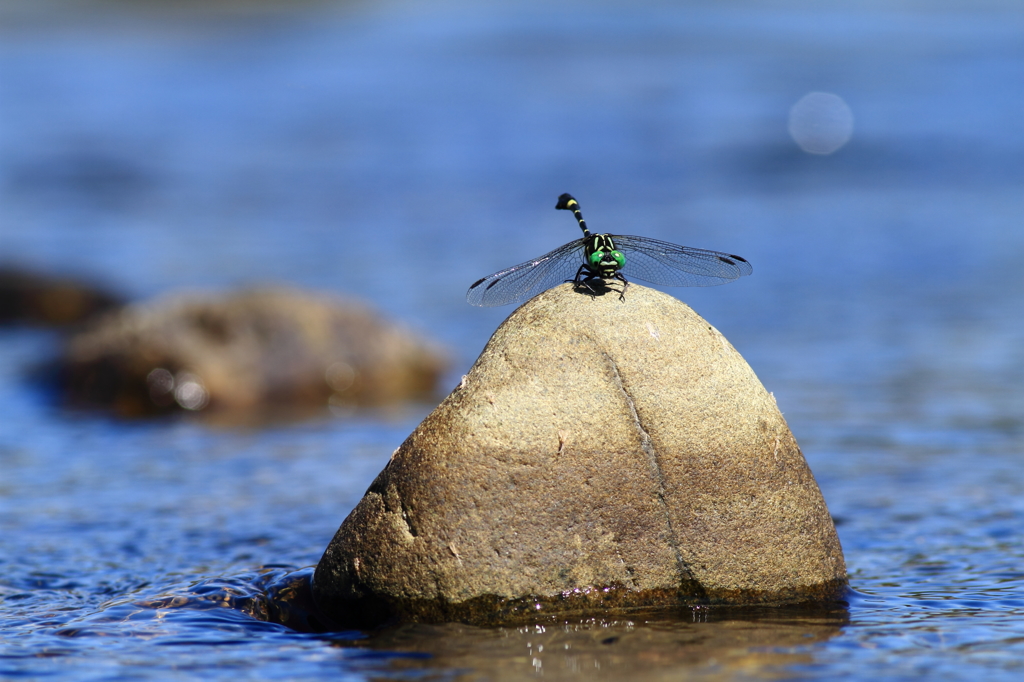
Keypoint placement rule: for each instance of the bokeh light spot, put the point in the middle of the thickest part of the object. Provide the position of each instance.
(340, 376)
(820, 122)
(189, 391)
(161, 386)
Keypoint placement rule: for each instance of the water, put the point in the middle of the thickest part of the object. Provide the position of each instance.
(400, 151)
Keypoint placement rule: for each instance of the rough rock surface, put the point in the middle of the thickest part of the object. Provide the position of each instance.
(601, 453)
(246, 352)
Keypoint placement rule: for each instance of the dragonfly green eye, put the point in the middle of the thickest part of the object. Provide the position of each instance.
(596, 258)
(619, 258)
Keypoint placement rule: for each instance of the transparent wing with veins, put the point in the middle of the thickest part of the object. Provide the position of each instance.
(668, 264)
(529, 278)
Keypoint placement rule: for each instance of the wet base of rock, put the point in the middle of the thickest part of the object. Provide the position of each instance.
(607, 602)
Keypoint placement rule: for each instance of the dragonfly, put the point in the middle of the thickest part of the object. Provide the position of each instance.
(597, 258)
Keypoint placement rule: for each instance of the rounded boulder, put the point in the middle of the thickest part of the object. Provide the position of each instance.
(604, 452)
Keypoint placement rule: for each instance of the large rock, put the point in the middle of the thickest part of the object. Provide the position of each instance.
(246, 353)
(601, 453)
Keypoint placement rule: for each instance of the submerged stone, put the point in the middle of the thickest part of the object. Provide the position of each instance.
(602, 453)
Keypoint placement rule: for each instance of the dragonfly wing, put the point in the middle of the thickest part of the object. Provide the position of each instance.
(667, 264)
(529, 278)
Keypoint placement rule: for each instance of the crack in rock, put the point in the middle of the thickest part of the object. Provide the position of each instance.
(656, 470)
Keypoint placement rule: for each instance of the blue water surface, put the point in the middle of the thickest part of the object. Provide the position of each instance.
(398, 151)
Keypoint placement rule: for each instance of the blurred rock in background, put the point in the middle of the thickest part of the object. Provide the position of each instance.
(253, 350)
(35, 298)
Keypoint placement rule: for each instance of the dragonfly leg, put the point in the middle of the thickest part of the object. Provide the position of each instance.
(582, 280)
(587, 281)
(625, 285)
